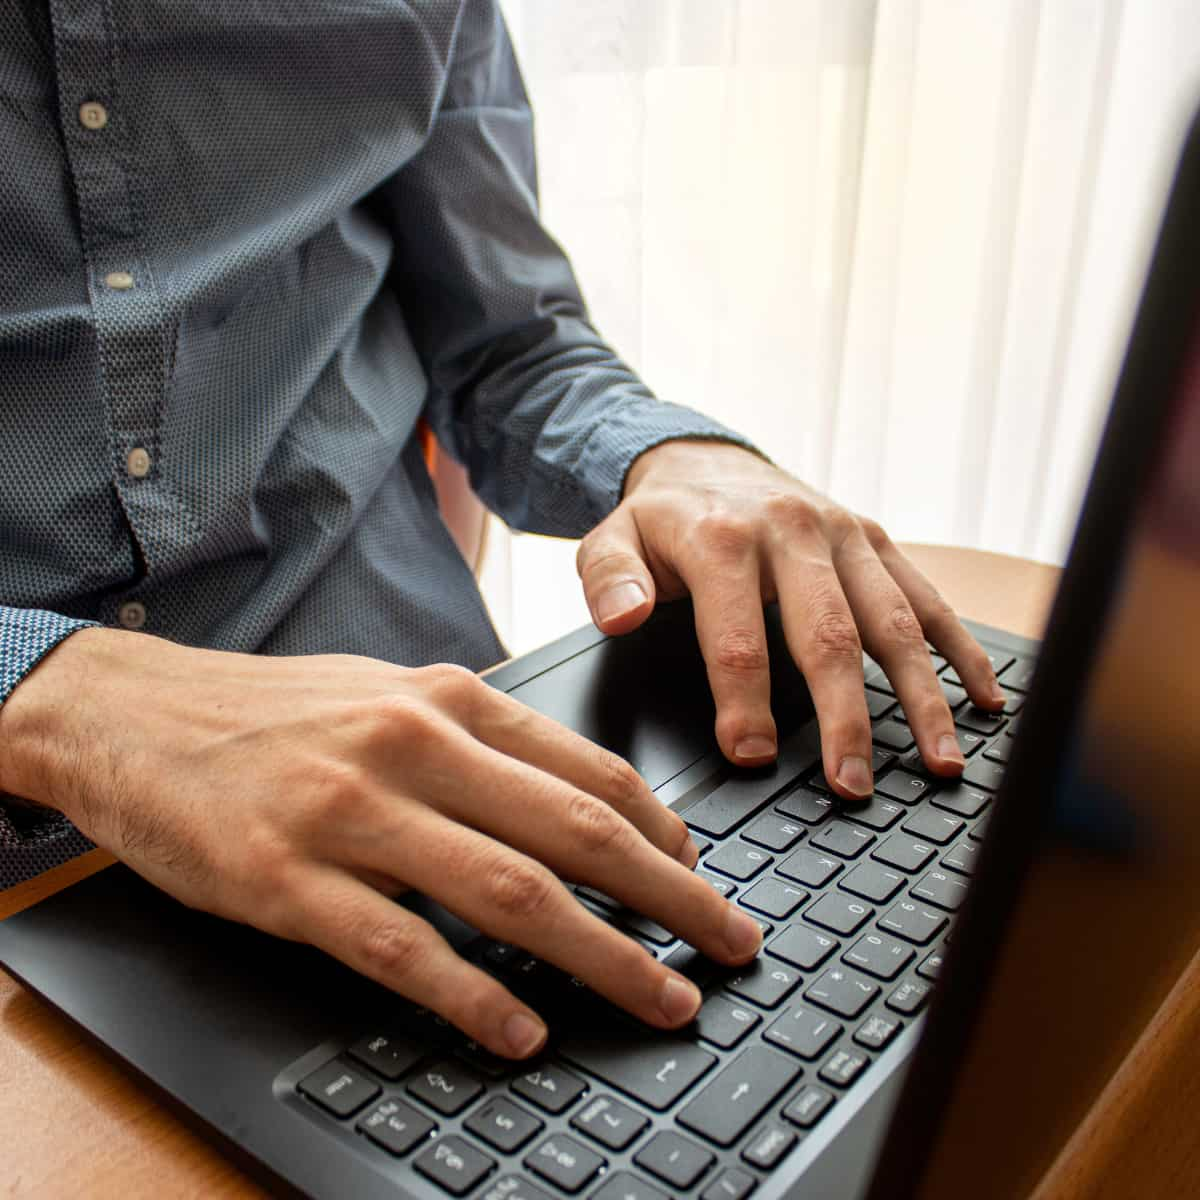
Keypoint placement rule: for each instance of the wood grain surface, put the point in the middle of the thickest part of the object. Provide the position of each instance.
(75, 1125)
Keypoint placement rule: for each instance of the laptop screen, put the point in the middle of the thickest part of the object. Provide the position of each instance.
(1086, 907)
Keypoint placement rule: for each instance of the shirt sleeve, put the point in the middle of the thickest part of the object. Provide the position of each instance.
(523, 391)
(32, 840)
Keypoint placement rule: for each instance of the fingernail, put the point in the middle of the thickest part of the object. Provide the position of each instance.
(949, 750)
(742, 934)
(679, 1000)
(757, 745)
(524, 1034)
(855, 775)
(619, 600)
(689, 853)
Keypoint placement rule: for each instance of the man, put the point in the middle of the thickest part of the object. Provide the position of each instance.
(247, 248)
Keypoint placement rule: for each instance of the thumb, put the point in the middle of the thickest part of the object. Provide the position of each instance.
(617, 583)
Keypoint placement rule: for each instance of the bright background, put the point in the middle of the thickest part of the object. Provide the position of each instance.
(896, 242)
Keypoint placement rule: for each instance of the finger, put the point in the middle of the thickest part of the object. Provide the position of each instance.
(726, 586)
(511, 897)
(617, 583)
(823, 639)
(387, 943)
(940, 623)
(894, 638)
(517, 731)
(581, 838)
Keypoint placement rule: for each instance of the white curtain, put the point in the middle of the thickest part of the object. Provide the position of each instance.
(897, 242)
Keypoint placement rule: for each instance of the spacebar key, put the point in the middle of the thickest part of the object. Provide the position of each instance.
(655, 1072)
(727, 1106)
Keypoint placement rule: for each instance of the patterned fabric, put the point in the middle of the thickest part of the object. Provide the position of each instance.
(243, 249)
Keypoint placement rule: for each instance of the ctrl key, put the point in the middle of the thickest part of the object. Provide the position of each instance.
(809, 1106)
(453, 1164)
(338, 1088)
(396, 1126)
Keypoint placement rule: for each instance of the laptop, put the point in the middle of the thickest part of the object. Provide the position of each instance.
(950, 973)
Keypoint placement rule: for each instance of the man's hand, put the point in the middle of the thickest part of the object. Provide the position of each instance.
(719, 522)
(299, 794)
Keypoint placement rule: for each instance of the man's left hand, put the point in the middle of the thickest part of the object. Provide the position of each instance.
(716, 521)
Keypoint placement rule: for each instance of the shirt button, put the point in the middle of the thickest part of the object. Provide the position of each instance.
(132, 614)
(119, 281)
(93, 115)
(137, 463)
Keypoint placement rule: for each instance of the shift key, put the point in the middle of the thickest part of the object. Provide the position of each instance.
(656, 1071)
(726, 1107)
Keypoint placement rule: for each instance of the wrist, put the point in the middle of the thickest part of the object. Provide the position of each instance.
(679, 455)
(40, 736)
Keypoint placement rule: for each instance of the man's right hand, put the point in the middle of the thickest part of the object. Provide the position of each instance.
(300, 794)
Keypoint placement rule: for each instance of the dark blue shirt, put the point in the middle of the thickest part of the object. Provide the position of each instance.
(244, 248)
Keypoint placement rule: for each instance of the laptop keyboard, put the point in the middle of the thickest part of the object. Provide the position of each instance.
(856, 905)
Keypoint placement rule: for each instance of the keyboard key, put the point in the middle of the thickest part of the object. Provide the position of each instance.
(955, 695)
(623, 1186)
(809, 1106)
(881, 760)
(773, 831)
(808, 867)
(879, 955)
(513, 1187)
(962, 799)
(803, 1031)
(873, 882)
(741, 796)
(723, 887)
(802, 947)
(979, 832)
(893, 734)
(876, 1032)
(738, 1095)
(723, 1022)
(445, 1086)
(879, 704)
(702, 844)
(903, 852)
(979, 720)
(387, 1054)
(842, 914)
(596, 897)
(731, 1184)
(482, 1060)
(961, 857)
(454, 1164)
(503, 1124)
(739, 860)
(1001, 661)
(909, 997)
(807, 805)
(674, 1159)
(767, 1148)
(877, 813)
(396, 1126)
(941, 889)
(1018, 674)
(905, 786)
(609, 1122)
(339, 1088)
(843, 1067)
(1000, 751)
(843, 839)
(913, 922)
(843, 991)
(931, 968)
(932, 826)
(764, 982)
(984, 774)
(968, 742)
(774, 897)
(565, 1162)
(643, 927)
(655, 1073)
(549, 1087)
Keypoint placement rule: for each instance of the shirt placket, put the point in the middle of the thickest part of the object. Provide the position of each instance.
(126, 305)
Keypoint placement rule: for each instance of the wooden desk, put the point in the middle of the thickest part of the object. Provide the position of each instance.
(74, 1124)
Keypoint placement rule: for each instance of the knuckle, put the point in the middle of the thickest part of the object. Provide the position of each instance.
(724, 534)
(521, 889)
(903, 626)
(451, 684)
(594, 826)
(876, 535)
(333, 792)
(834, 638)
(741, 651)
(391, 950)
(791, 512)
(398, 719)
(622, 785)
(841, 525)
